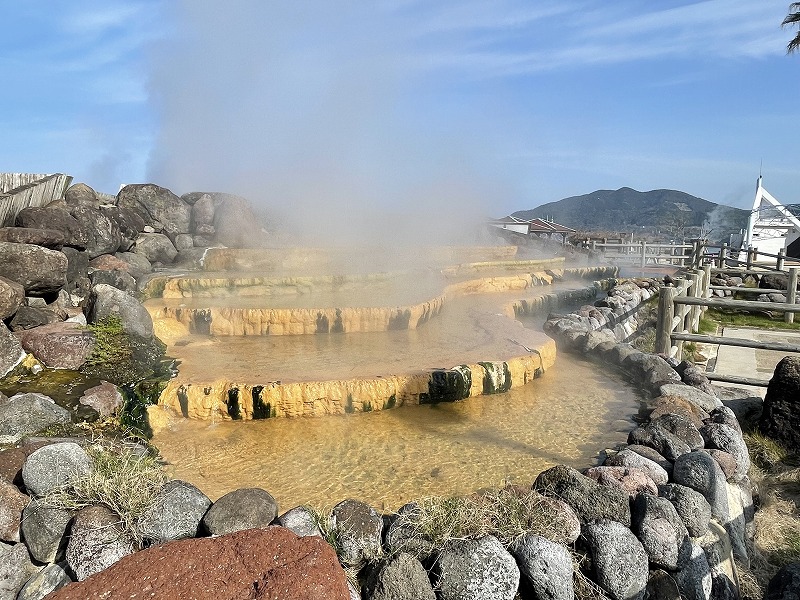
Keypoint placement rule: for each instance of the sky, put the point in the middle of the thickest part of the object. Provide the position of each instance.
(454, 106)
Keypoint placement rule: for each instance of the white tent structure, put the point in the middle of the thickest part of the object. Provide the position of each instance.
(771, 225)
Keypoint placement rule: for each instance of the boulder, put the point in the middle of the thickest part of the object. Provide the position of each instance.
(57, 218)
(691, 375)
(725, 461)
(122, 280)
(726, 416)
(130, 224)
(11, 353)
(545, 567)
(28, 317)
(401, 577)
(102, 234)
(44, 529)
(650, 369)
(403, 536)
(38, 270)
(358, 529)
(77, 268)
(53, 466)
(49, 238)
(694, 579)
(661, 531)
(106, 301)
(175, 513)
(183, 241)
(662, 586)
(11, 461)
(203, 209)
(716, 546)
(301, 521)
(699, 398)
(49, 579)
(12, 501)
(105, 398)
(618, 559)
(246, 508)
(25, 414)
(781, 417)
(15, 569)
(59, 345)
(678, 406)
(701, 472)
(157, 204)
(785, 585)
(260, 564)
(590, 500)
(680, 427)
(662, 441)
(691, 506)
(631, 480)
(475, 570)
(155, 247)
(137, 265)
(80, 194)
(235, 223)
(726, 438)
(635, 460)
(97, 541)
(12, 295)
(774, 281)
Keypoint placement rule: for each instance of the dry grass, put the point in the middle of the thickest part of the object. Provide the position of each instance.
(123, 481)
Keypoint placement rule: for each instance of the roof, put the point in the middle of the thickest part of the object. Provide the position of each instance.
(534, 225)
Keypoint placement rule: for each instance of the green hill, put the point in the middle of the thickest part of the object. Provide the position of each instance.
(625, 210)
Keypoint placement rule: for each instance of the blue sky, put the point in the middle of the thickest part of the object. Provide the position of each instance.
(495, 106)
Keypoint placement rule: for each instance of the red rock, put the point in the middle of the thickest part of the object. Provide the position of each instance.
(257, 564)
(58, 345)
(11, 462)
(631, 480)
(108, 262)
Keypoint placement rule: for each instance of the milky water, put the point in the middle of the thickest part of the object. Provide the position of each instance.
(389, 457)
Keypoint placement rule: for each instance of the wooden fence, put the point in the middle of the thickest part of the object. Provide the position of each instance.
(643, 253)
(680, 308)
(37, 193)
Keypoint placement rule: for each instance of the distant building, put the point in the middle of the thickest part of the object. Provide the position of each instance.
(536, 227)
(772, 226)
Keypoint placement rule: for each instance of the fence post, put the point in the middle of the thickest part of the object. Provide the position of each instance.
(594, 245)
(791, 296)
(706, 285)
(750, 259)
(694, 312)
(644, 253)
(697, 252)
(781, 256)
(666, 313)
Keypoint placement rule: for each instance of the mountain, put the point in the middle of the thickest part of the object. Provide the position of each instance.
(625, 209)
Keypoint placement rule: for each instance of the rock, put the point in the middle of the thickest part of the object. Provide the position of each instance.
(785, 585)
(774, 281)
(122, 280)
(38, 270)
(53, 466)
(633, 459)
(701, 472)
(106, 300)
(545, 567)
(678, 406)
(725, 461)
(401, 577)
(260, 564)
(662, 586)
(691, 506)
(44, 529)
(402, 535)
(104, 398)
(11, 354)
(11, 461)
(97, 541)
(246, 508)
(202, 211)
(12, 501)
(49, 238)
(235, 223)
(175, 514)
(108, 262)
(77, 271)
(694, 377)
(28, 317)
(650, 369)
(358, 528)
(183, 241)
(301, 521)
(661, 531)
(664, 442)
(155, 247)
(15, 569)
(680, 427)
(49, 579)
(716, 546)
(562, 514)
(25, 414)
(11, 296)
(59, 345)
(694, 579)
(631, 480)
(102, 234)
(726, 438)
(726, 416)
(701, 399)
(156, 204)
(130, 224)
(475, 570)
(81, 194)
(781, 417)
(57, 218)
(137, 265)
(590, 500)
(618, 558)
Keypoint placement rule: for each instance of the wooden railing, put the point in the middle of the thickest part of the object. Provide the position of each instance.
(680, 307)
(643, 253)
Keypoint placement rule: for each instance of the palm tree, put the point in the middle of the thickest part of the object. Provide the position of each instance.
(793, 18)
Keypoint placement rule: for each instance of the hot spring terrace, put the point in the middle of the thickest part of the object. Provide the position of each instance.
(273, 336)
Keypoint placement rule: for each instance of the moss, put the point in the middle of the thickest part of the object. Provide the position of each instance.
(348, 407)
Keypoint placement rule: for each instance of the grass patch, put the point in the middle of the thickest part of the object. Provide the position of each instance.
(123, 481)
(743, 319)
(766, 453)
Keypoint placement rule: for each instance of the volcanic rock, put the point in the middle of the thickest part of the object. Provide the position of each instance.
(122, 280)
(104, 398)
(38, 270)
(11, 461)
(101, 233)
(475, 570)
(246, 508)
(106, 300)
(28, 317)
(81, 194)
(699, 398)
(53, 466)
(781, 417)
(631, 480)
(15, 569)
(618, 558)
(401, 577)
(25, 414)
(301, 521)
(137, 265)
(44, 529)
(129, 222)
(155, 247)
(785, 585)
(632, 459)
(156, 204)
(235, 223)
(97, 541)
(260, 564)
(57, 218)
(11, 352)
(49, 238)
(12, 501)
(699, 471)
(12, 295)
(59, 345)
(49, 579)
(358, 528)
(546, 567)
(661, 531)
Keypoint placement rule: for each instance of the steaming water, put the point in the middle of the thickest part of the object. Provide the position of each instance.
(389, 457)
